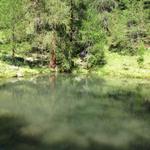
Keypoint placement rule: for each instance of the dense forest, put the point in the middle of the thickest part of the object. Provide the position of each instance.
(73, 34)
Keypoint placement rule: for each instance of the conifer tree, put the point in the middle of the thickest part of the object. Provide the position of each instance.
(12, 13)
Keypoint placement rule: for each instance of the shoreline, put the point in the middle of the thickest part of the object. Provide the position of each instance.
(117, 66)
(23, 72)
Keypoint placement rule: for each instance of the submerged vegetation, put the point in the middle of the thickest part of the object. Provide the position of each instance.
(67, 35)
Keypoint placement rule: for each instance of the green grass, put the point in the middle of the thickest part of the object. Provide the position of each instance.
(8, 71)
(117, 66)
(125, 66)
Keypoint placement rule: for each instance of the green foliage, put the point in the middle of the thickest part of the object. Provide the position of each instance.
(127, 27)
(97, 60)
(141, 50)
(104, 5)
(79, 25)
(64, 62)
(11, 12)
(12, 16)
(94, 35)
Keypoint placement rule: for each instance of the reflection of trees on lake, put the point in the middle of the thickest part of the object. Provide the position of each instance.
(63, 113)
(52, 81)
(11, 136)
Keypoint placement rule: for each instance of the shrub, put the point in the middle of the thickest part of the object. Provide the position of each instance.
(96, 56)
(141, 50)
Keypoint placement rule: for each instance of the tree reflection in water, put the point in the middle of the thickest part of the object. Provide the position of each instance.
(63, 113)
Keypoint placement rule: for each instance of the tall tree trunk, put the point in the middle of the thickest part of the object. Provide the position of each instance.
(71, 20)
(13, 42)
(52, 63)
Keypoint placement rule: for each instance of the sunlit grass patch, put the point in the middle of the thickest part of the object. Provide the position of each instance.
(126, 66)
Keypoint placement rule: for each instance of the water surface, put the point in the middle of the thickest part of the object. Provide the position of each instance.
(74, 113)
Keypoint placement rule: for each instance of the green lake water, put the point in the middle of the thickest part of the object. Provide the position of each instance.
(67, 112)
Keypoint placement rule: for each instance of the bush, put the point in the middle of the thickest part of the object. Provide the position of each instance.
(96, 56)
(105, 5)
(141, 50)
(122, 47)
(95, 35)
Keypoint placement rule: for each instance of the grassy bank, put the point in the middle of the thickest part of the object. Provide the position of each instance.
(8, 71)
(19, 68)
(117, 66)
(125, 66)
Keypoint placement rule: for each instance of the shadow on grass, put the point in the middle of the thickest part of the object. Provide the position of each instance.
(20, 61)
